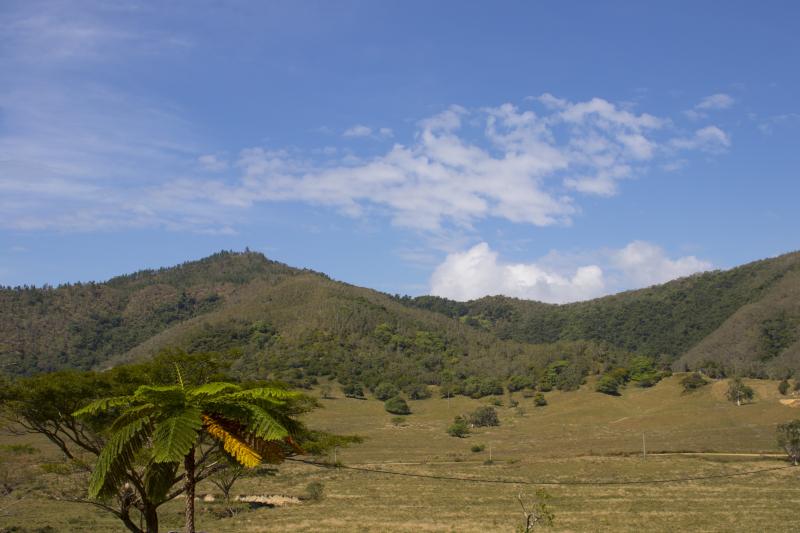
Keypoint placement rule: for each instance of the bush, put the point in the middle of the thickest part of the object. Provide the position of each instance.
(796, 385)
(516, 383)
(739, 392)
(539, 400)
(353, 390)
(477, 448)
(315, 491)
(693, 381)
(783, 387)
(789, 440)
(384, 391)
(459, 428)
(417, 391)
(397, 406)
(484, 416)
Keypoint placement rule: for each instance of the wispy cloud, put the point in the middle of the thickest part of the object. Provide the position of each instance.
(527, 166)
(714, 102)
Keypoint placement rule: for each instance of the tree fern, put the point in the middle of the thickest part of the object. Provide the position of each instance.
(176, 435)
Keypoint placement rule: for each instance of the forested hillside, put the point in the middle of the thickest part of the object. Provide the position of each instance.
(297, 325)
(758, 303)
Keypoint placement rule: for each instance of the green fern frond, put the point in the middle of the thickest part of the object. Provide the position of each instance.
(213, 389)
(262, 424)
(102, 405)
(163, 395)
(175, 436)
(265, 393)
(131, 414)
(117, 456)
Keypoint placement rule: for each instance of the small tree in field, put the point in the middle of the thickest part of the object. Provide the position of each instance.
(535, 510)
(739, 392)
(783, 387)
(789, 440)
(484, 416)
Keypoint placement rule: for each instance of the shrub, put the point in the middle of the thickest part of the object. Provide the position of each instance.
(484, 416)
(739, 392)
(693, 381)
(384, 391)
(789, 440)
(397, 406)
(459, 428)
(796, 385)
(516, 383)
(353, 390)
(417, 391)
(783, 387)
(513, 403)
(476, 448)
(315, 491)
(539, 400)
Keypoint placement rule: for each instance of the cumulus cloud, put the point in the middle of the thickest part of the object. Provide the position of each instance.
(479, 272)
(644, 264)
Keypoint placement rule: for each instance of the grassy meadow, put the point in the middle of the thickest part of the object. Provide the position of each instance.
(578, 436)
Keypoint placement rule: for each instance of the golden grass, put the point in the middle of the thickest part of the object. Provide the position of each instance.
(580, 435)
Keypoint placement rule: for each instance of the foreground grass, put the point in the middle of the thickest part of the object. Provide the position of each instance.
(581, 435)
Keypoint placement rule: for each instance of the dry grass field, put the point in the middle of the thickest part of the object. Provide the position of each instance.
(580, 436)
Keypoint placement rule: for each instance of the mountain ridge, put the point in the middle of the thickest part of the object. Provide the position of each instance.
(678, 324)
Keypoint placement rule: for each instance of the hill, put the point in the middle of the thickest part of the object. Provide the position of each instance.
(297, 325)
(746, 319)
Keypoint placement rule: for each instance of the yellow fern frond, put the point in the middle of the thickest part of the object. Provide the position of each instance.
(237, 448)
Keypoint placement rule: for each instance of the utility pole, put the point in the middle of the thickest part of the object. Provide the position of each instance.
(644, 448)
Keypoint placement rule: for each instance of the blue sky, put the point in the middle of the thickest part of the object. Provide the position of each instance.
(548, 150)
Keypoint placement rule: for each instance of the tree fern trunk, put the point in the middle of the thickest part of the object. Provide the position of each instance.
(188, 464)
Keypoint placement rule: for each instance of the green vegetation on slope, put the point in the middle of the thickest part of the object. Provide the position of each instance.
(664, 321)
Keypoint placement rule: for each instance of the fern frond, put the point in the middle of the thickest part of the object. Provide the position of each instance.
(265, 393)
(175, 436)
(263, 424)
(131, 414)
(102, 405)
(161, 395)
(240, 450)
(213, 389)
(117, 456)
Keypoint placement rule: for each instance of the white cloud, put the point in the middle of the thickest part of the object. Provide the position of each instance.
(709, 139)
(478, 272)
(644, 264)
(716, 101)
(386, 133)
(359, 130)
(212, 163)
(461, 166)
